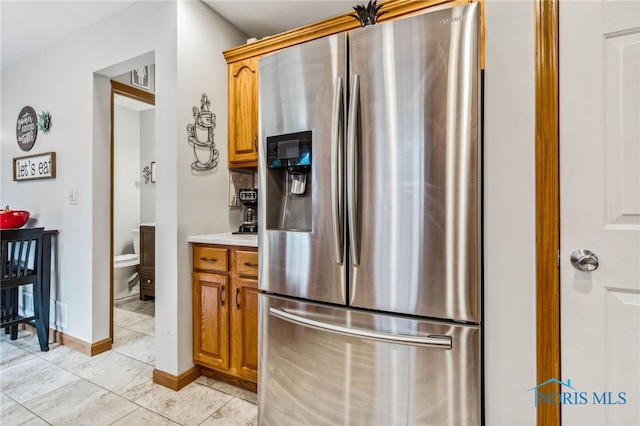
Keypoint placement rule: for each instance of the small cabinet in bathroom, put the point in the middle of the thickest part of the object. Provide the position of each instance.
(147, 262)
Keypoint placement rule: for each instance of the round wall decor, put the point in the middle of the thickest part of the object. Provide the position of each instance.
(27, 128)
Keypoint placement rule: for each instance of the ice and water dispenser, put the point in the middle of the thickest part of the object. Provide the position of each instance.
(289, 188)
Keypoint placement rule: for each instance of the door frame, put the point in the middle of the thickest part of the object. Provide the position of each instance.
(118, 88)
(547, 163)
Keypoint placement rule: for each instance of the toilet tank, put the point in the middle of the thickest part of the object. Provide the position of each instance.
(136, 240)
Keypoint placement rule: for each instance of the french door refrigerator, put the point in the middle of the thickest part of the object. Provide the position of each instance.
(369, 231)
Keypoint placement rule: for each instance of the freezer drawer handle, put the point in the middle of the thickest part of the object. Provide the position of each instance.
(433, 341)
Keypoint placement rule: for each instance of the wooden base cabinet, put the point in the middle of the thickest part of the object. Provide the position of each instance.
(225, 313)
(211, 314)
(147, 262)
(245, 331)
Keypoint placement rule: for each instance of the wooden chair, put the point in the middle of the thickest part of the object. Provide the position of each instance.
(21, 257)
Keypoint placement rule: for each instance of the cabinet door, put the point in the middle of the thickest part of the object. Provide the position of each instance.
(147, 262)
(243, 113)
(148, 246)
(245, 328)
(211, 320)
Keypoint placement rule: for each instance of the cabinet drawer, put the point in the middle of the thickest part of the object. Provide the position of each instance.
(247, 263)
(207, 258)
(147, 284)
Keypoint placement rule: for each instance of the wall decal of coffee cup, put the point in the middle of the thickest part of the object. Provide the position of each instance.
(200, 137)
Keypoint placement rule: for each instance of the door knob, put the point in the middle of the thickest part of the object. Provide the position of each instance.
(584, 260)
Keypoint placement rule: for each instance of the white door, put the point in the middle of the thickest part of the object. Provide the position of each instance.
(600, 211)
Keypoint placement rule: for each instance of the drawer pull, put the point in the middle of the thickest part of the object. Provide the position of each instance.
(251, 265)
(208, 259)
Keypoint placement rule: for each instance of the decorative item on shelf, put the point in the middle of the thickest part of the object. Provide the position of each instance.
(367, 15)
(44, 121)
(26, 128)
(200, 137)
(146, 174)
(149, 173)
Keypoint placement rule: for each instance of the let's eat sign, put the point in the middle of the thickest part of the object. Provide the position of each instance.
(39, 166)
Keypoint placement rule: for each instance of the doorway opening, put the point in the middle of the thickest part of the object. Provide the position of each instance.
(132, 202)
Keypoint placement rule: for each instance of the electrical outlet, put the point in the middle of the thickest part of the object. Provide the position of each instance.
(73, 196)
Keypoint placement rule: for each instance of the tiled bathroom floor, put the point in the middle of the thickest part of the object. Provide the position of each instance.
(65, 387)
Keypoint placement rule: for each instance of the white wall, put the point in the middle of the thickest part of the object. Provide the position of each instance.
(509, 213)
(71, 81)
(63, 80)
(147, 155)
(199, 200)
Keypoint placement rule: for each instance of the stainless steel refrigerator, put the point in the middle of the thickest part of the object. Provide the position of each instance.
(369, 232)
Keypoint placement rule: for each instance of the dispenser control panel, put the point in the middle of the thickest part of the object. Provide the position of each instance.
(290, 150)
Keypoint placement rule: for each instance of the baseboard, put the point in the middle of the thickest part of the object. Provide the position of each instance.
(74, 343)
(232, 380)
(176, 382)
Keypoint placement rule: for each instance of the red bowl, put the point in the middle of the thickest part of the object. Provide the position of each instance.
(13, 218)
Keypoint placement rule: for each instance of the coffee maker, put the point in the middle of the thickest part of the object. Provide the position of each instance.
(249, 199)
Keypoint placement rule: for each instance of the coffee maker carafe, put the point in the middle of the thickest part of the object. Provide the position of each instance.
(249, 199)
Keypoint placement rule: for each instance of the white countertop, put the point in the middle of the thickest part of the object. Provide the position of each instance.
(226, 238)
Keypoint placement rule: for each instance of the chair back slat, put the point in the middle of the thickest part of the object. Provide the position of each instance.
(19, 247)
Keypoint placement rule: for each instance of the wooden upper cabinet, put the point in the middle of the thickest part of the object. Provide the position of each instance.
(243, 69)
(243, 113)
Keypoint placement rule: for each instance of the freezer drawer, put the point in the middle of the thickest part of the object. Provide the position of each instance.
(312, 371)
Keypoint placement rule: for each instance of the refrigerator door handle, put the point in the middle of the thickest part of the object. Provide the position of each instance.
(352, 170)
(337, 170)
(432, 341)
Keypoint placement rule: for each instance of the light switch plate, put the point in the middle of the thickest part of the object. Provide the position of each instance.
(73, 196)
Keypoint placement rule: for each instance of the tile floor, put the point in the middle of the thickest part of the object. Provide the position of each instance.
(65, 387)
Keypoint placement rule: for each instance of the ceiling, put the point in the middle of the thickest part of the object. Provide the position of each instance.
(31, 26)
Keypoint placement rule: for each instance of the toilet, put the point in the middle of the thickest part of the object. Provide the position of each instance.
(125, 270)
